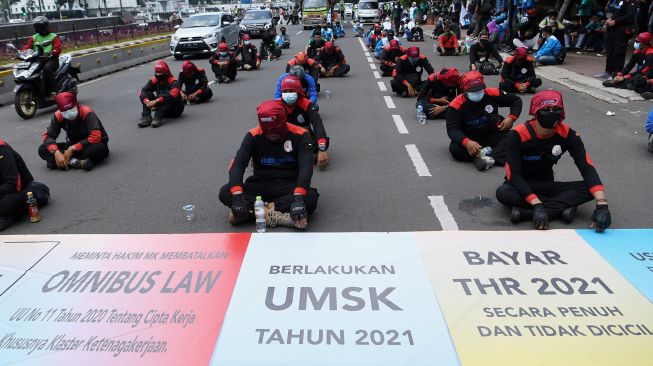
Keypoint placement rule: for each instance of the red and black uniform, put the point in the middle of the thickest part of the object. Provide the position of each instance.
(406, 73)
(85, 133)
(374, 37)
(15, 181)
(281, 169)
(331, 56)
(443, 84)
(304, 115)
(518, 71)
(228, 70)
(311, 66)
(195, 81)
(249, 55)
(641, 78)
(389, 57)
(448, 44)
(478, 121)
(529, 170)
(49, 65)
(166, 91)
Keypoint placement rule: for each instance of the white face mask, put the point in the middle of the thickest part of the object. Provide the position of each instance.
(289, 98)
(246, 43)
(636, 45)
(475, 96)
(70, 114)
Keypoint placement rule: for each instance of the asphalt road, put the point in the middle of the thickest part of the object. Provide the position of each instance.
(372, 184)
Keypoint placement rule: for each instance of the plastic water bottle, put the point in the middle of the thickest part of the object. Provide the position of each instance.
(259, 211)
(421, 116)
(485, 151)
(33, 208)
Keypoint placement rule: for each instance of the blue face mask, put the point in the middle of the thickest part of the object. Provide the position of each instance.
(636, 45)
(289, 98)
(223, 54)
(475, 96)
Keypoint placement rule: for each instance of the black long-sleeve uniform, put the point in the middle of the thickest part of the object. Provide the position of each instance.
(280, 169)
(479, 54)
(618, 35)
(86, 134)
(529, 170)
(432, 90)
(336, 58)
(479, 122)
(197, 83)
(15, 181)
(230, 69)
(249, 55)
(406, 73)
(515, 72)
(388, 59)
(304, 115)
(167, 93)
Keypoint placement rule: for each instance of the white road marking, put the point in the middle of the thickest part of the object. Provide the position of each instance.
(369, 59)
(418, 162)
(94, 80)
(300, 32)
(362, 44)
(382, 86)
(443, 214)
(373, 66)
(377, 75)
(389, 102)
(212, 82)
(367, 54)
(401, 127)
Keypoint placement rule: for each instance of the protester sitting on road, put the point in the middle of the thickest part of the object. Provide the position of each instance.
(550, 53)
(283, 40)
(387, 24)
(311, 66)
(649, 129)
(480, 53)
(339, 30)
(557, 28)
(250, 58)
(302, 112)
(575, 38)
(86, 140)
(416, 32)
(532, 150)
(518, 73)
(160, 94)
(528, 32)
(473, 121)
(268, 48)
(448, 43)
(15, 181)
(308, 83)
(407, 75)
(594, 33)
(327, 32)
(50, 59)
(314, 46)
(373, 37)
(333, 61)
(438, 91)
(194, 84)
(642, 62)
(358, 29)
(224, 64)
(282, 156)
(381, 42)
(389, 57)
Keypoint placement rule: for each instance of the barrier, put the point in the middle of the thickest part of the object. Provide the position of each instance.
(561, 297)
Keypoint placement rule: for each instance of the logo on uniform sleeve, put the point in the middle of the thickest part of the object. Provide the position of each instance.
(300, 119)
(557, 150)
(287, 146)
(524, 70)
(489, 108)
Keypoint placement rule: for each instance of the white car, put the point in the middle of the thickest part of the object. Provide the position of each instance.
(349, 9)
(201, 34)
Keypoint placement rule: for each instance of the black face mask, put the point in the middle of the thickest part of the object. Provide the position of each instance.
(484, 42)
(161, 77)
(548, 119)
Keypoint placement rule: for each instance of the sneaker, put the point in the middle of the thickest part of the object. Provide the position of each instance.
(85, 164)
(275, 218)
(6, 221)
(569, 214)
(146, 121)
(602, 75)
(579, 52)
(519, 214)
(156, 122)
(650, 143)
(647, 95)
(484, 162)
(599, 55)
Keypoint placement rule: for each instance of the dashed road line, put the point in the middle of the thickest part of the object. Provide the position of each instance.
(300, 32)
(401, 127)
(369, 59)
(442, 213)
(382, 86)
(389, 102)
(373, 66)
(377, 75)
(418, 162)
(360, 41)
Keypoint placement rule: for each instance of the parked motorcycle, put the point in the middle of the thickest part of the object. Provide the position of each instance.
(30, 93)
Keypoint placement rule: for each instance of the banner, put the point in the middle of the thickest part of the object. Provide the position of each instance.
(519, 298)
(122, 299)
(17, 255)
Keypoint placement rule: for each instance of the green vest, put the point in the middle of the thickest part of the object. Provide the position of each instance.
(38, 39)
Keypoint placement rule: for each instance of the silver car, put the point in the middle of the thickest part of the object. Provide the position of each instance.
(201, 34)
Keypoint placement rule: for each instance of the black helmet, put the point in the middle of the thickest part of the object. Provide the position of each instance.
(41, 25)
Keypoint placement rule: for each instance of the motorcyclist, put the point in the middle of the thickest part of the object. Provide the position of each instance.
(50, 58)
(160, 94)
(250, 59)
(193, 83)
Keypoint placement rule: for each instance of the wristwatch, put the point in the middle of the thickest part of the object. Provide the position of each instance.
(321, 147)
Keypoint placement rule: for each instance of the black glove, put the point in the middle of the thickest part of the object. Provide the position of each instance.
(601, 218)
(239, 205)
(298, 208)
(540, 217)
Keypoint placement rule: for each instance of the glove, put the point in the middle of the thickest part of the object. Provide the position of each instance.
(601, 218)
(239, 205)
(540, 217)
(298, 208)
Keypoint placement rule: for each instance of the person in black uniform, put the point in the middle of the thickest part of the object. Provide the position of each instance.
(518, 73)
(480, 53)
(332, 61)
(161, 94)
(86, 140)
(407, 76)
(282, 155)
(532, 150)
(250, 59)
(15, 181)
(438, 91)
(389, 57)
(224, 64)
(619, 31)
(634, 74)
(194, 84)
(473, 121)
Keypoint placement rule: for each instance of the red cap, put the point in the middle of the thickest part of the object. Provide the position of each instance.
(65, 101)
(546, 98)
(644, 38)
(301, 57)
(272, 118)
(245, 37)
(394, 44)
(449, 76)
(472, 81)
(329, 47)
(223, 47)
(521, 53)
(413, 51)
(161, 67)
(188, 68)
(292, 83)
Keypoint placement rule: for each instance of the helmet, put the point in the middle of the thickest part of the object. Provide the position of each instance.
(472, 81)
(161, 67)
(41, 25)
(298, 71)
(301, 57)
(65, 101)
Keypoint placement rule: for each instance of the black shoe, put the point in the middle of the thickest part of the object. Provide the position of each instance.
(6, 221)
(569, 214)
(647, 95)
(519, 214)
(531, 90)
(317, 87)
(85, 164)
(156, 122)
(146, 121)
(51, 165)
(609, 83)
(404, 94)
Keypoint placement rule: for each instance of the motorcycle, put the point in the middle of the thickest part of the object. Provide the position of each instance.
(30, 93)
